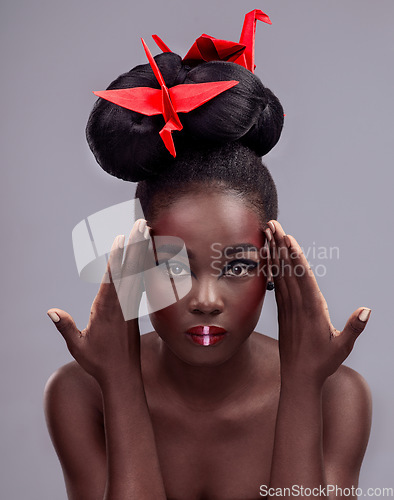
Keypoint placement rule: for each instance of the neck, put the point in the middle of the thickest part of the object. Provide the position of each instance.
(208, 387)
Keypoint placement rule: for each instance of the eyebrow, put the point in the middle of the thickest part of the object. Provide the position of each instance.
(249, 247)
(230, 250)
(171, 249)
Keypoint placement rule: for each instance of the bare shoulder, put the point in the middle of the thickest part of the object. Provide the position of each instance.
(347, 415)
(71, 395)
(70, 371)
(348, 390)
(70, 380)
(73, 412)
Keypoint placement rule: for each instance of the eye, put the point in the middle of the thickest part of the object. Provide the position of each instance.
(177, 269)
(239, 268)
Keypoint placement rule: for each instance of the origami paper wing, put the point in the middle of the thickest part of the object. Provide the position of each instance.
(190, 96)
(168, 102)
(209, 48)
(144, 100)
(148, 101)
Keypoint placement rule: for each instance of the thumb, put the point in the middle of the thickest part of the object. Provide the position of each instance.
(65, 325)
(355, 325)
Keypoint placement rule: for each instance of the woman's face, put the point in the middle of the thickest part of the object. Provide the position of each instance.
(223, 274)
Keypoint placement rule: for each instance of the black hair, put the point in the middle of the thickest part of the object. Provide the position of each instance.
(232, 168)
(220, 145)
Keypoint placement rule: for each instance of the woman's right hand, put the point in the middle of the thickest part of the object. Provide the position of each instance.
(109, 347)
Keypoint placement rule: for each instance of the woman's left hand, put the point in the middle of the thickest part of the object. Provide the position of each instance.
(311, 348)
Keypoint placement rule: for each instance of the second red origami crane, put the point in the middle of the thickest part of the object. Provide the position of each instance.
(207, 48)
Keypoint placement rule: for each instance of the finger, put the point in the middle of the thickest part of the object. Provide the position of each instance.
(136, 248)
(267, 261)
(114, 265)
(302, 269)
(285, 262)
(280, 297)
(65, 325)
(130, 287)
(106, 295)
(354, 326)
(114, 262)
(281, 292)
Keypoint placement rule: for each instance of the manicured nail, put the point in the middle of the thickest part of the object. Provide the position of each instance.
(54, 316)
(364, 314)
(272, 226)
(121, 239)
(146, 232)
(269, 235)
(142, 226)
(287, 241)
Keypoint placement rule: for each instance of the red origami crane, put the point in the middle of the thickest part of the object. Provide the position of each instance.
(168, 102)
(207, 48)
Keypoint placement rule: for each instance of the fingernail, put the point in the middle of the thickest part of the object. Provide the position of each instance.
(272, 226)
(54, 316)
(364, 314)
(146, 233)
(142, 226)
(269, 235)
(121, 239)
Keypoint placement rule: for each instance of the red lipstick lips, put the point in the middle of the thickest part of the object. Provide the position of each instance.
(206, 335)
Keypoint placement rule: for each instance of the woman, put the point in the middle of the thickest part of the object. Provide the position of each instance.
(204, 407)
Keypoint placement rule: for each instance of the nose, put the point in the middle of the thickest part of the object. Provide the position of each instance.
(205, 297)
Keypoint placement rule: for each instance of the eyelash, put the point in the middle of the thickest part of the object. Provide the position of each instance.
(247, 265)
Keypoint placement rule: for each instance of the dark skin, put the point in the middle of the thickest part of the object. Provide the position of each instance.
(186, 421)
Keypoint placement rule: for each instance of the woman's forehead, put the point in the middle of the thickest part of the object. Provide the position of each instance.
(212, 219)
(207, 209)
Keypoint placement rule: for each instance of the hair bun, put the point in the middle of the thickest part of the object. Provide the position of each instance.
(267, 129)
(248, 112)
(127, 144)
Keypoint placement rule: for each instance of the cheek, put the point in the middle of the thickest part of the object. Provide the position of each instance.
(246, 301)
(168, 321)
(165, 308)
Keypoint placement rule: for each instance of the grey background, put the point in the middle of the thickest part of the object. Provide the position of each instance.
(331, 64)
